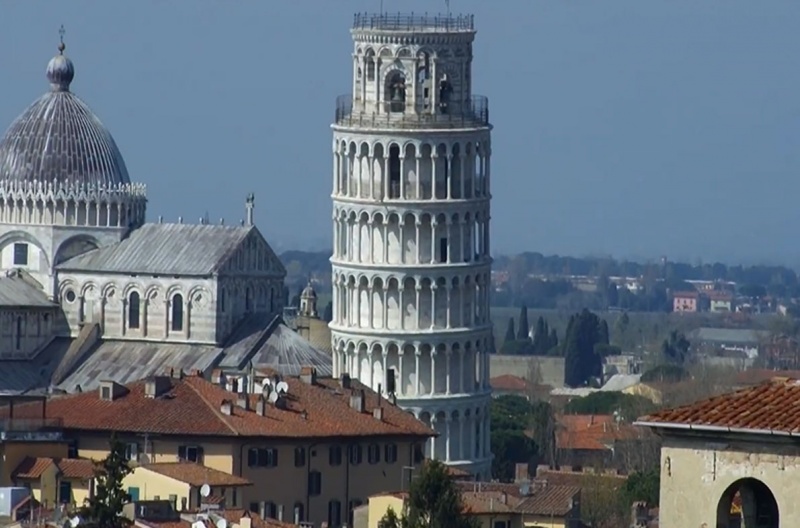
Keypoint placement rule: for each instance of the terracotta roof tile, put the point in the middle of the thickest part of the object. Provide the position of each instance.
(32, 467)
(79, 468)
(591, 432)
(192, 406)
(234, 516)
(579, 479)
(488, 502)
(71, 468)
(550, 500)
(765, 407)
(196, 474)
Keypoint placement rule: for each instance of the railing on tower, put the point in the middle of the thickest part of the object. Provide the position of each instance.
(413, 22)
(472, 112)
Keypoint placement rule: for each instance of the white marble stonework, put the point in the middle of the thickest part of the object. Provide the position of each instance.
(411, 211)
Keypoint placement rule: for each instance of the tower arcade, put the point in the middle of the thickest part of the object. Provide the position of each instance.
(411, 210)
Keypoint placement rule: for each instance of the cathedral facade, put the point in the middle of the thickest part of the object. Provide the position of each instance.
(90, 290)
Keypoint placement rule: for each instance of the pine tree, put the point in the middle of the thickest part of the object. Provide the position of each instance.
(510, 334)
(434, 501)
(104, 509)
(524, 329)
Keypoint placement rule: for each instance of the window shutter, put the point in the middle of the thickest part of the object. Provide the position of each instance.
(199, 454)
(252, 457)
(182, 452)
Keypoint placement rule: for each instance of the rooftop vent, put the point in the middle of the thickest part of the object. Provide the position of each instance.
(308, 375)
(377, 412)
(111, 390)
(243, 401)
(157, 386)
(357, 401)
(217, 377)
(226, 408)
(261, 406)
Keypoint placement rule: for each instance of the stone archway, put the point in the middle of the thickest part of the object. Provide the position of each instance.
(747, 503)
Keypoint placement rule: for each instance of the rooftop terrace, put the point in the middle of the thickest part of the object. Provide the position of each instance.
(441, 23)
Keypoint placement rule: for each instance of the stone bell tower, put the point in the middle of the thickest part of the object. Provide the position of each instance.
(411, 260)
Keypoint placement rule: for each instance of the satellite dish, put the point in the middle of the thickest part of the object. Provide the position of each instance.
(198, 524)
(273, 397)
(205, 490)
(222, 523)
(267, 382)
(282, 387)
(74, 521)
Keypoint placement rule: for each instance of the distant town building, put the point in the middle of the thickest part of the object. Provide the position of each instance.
(686, 301)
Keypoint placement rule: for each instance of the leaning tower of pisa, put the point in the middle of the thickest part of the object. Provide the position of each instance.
(411, 262)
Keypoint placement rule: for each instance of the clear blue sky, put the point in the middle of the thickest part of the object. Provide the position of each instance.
(625, 127)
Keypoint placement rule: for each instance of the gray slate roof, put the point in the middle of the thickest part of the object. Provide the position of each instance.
(168, 249)
(16, 292)
(267, 342)
(128, 361)
(58, 138)
(32, 375)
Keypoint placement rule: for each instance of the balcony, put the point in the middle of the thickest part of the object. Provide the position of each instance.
(473, 112)
(441, 23)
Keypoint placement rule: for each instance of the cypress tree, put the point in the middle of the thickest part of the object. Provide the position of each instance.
(104, 509)
(603, 337)
(538, 337)
(553, 340)
(524, 328)
(510, 334)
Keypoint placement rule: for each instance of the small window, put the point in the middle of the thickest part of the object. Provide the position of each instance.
(355, 454)
(20, 254)
(299, 512)
(133, 310)
(334, 513)
(177, 313)
(173, 499)
(65, 492)
(390, 456)
(314, 483)
(253, 507)
(190, 454)
(299, 456)
(262, 457)
(419, 453)
(335, 455)
(270, 510)
(443, 249)
(70, 296)
(72, 449)
(374, 453)
(131, 451)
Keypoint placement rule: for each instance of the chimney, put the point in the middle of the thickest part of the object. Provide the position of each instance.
(245, 522)
(111, 390)
(377, 412)
(176, 373)
(308, 375)
(180, 219)
(226, 408)
(282, 403)
(504, 498)
(243, 401)
(157, 386)
(345, 381)
(280, 512)
(357, 401)
(261, 406)
(217, 377)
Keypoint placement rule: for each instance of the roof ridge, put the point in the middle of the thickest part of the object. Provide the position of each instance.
(213, 408)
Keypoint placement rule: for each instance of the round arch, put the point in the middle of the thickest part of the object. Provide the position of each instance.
(22, 236)
(748, 502)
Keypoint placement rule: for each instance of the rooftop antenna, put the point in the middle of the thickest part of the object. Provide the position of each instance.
(61, 45)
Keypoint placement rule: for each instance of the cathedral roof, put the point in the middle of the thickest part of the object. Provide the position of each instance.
(16, 292)
(173, 249)
(58, 138)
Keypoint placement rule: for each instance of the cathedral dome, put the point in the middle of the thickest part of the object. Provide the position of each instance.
(59, 139)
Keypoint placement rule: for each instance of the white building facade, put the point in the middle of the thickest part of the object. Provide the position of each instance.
(411, 209)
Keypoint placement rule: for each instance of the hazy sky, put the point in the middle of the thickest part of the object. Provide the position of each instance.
(632, 128)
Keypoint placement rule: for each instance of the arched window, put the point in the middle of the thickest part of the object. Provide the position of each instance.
(133, 310)
(177, 312)
(395, 92)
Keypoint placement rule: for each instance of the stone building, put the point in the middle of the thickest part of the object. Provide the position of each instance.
(731, 461)
(411, 261)
(90, 290)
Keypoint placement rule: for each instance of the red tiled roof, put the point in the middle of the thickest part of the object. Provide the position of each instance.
(765, 407)
(549, 477)
(591, 432)
(71, 468)
(234, 516)
(192, 406)
(488, 502)
(196, 474)
(550, 500)
(685, 295)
